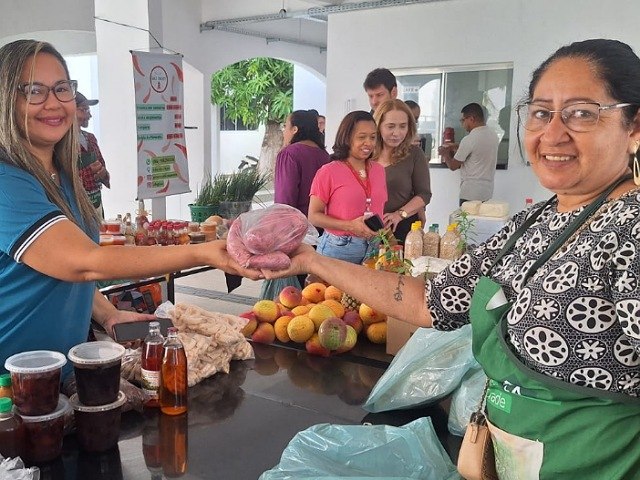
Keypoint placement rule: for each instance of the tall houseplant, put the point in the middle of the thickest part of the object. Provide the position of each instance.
(239, 189)
(208, 198)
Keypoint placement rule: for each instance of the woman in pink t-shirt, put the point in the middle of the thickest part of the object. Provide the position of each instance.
(347, 190)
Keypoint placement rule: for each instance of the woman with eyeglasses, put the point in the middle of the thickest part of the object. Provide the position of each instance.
(554, 297)
(49, 255)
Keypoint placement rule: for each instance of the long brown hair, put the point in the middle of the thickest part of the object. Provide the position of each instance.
(14, 134)
(402, 150)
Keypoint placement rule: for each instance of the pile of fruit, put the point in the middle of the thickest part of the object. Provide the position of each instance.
(322, 317)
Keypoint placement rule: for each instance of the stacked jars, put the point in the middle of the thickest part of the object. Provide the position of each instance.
(98, 404)
(35, 383)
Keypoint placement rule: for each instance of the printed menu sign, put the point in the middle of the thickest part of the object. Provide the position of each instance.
(162, 151)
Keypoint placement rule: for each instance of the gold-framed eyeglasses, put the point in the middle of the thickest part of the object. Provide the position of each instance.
(577, 117)
(37, 93)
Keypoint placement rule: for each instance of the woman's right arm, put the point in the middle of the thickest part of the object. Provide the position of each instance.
(65, 252)
(319, 218)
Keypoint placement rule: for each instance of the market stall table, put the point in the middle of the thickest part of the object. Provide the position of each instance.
(238, 424)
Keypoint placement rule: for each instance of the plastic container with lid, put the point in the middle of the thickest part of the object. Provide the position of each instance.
(35, 380)
(431, 242)
(97, 370)
(11, 430)
(451, 243)
(413, 242)
(5, 386)
(44, 433)
(98, 427)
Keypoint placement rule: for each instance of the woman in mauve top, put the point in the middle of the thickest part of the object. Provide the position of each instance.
(348, 190)
(297, 163)
(405, 166)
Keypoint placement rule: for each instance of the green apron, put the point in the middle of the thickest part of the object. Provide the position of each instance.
(556, 430)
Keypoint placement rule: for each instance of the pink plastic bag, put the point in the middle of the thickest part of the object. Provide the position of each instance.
(264, 238)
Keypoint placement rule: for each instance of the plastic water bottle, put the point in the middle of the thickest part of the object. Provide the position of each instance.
(152, 352)
(173, 375)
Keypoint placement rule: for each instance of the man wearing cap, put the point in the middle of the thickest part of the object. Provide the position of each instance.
(93, 170)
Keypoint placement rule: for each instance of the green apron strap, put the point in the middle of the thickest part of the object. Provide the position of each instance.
(570, 230)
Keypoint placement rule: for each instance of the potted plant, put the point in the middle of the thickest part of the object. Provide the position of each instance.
(207, 201)
(239, 189)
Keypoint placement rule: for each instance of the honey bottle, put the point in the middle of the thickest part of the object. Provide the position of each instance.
(151, 362)
(12, 433)
(173, 375)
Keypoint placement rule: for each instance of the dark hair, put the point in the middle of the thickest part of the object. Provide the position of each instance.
(342, 144)
(380, 76)
(314, 111)
(411, 104)
(614, 62)
(307, 123)
(473, 110)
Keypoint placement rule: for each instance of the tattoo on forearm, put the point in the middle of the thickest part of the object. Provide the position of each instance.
(397, 295)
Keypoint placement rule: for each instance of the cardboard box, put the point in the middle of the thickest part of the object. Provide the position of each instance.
(398, 333)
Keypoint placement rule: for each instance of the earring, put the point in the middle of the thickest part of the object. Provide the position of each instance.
(636, 171)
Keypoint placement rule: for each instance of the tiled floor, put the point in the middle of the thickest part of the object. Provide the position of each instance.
(209, 291)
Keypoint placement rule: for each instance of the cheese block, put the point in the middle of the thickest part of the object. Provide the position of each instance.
(471, 206)
(494, 208)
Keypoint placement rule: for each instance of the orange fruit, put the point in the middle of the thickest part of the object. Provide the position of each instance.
(280, 328)
(336, 306)
(300, 328)
(377, 332)
(332, 293)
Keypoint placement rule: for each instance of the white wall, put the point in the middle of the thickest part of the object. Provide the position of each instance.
(463, 32)
(309, 90)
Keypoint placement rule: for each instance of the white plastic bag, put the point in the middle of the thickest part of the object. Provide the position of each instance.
(465, 400)
(382, 452)
(429, 367)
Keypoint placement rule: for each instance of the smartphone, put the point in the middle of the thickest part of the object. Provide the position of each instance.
(132, 331)
(374, 222)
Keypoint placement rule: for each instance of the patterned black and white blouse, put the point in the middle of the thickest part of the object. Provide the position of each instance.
(578, 317)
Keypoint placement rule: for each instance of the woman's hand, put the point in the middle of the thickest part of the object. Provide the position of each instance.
(124, 316)
(301, 260)
(391, 220)
(359, 229)
(220, 258)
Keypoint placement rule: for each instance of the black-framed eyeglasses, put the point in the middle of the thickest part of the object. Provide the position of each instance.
(37, 93)
(578, 117)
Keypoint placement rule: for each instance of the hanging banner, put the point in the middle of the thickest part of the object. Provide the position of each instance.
(162, 151)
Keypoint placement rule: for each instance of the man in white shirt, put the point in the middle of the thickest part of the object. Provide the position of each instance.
(476, 155)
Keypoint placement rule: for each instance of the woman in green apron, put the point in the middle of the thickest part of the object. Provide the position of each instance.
(554, 297)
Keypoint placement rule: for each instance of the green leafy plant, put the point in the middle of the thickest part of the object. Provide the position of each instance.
(242, 186)
(258, 91)
(465, 229)
(211, 191)
(390, 256)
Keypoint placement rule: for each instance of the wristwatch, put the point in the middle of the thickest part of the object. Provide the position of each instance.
(403, 214)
